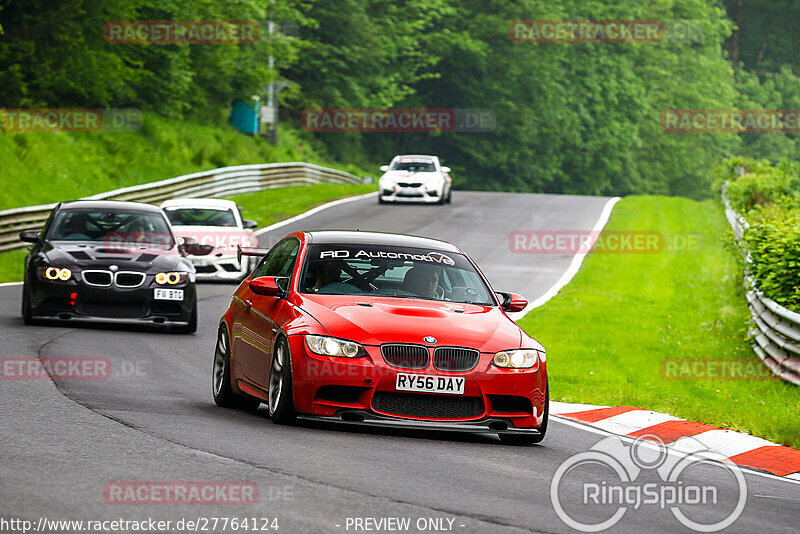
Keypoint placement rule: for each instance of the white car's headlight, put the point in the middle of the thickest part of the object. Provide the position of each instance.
(517, 359)
(331, 346)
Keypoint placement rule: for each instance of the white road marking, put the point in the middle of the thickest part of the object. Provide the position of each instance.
(573, 268)
(628, 422)
(312, 211)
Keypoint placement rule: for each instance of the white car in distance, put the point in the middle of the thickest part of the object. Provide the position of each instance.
(214, 222)
(415, 178)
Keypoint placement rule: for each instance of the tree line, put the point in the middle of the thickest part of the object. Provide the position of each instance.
(569, 117)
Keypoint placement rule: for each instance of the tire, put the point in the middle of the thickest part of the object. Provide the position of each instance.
(27, 314)
(190, 328)
(450, 195)
(224, 395)
(522, 439)
(281, 401)
(380, 199)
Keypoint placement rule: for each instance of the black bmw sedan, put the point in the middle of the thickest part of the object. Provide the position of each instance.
(110, 261)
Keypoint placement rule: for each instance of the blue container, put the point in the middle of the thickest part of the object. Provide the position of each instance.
(244, 117)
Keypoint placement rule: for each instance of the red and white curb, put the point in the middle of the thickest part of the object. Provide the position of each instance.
(742, 449)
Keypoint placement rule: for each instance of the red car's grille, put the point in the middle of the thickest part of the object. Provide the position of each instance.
(405, 356)
(426, 405)
(455, 359)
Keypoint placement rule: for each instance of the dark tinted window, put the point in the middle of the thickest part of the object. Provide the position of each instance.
(280, 260)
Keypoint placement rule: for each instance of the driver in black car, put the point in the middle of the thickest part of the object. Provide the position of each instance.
(422, 280)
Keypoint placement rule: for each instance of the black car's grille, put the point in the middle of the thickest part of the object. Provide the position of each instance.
(427, 405)
(405, 356)
(409, 184)
(205, 269)
(229, 267)
(129, 279)
(110, 309)
(97, 278)
(455, 359)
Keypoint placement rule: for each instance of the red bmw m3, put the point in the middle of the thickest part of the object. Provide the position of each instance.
(380, 329)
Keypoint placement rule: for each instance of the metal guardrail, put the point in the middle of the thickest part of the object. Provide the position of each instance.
(776, 331)
(225, 181)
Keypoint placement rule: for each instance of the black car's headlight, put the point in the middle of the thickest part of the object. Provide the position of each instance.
(55, 274)
(171, 278)
(331, 346)
(517, 359)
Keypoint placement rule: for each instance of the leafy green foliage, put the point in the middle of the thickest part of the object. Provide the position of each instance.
(773, 241)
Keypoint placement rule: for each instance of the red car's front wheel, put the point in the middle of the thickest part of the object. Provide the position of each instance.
(281, 402)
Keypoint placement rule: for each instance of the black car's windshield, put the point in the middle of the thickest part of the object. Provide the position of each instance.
(414, 166)
(388, 271)
(114, 227)
(200, 217)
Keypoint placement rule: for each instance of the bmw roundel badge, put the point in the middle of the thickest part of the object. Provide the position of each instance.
(430, 339)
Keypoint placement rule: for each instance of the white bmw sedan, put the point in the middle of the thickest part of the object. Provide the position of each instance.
(214, 222)
(414, 178)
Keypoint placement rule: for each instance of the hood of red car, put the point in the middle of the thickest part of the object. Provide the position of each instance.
(374, 321)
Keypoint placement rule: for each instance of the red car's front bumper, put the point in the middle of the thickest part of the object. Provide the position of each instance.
(362, 390)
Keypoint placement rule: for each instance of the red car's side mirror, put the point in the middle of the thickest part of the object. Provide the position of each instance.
(513, 302)
(266, 286)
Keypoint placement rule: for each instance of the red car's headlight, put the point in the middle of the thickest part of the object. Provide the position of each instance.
(330, 346)
(517, 359)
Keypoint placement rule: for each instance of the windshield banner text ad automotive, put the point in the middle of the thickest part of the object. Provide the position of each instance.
(367, 253)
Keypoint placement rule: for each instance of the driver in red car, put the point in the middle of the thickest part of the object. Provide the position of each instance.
(422, 280)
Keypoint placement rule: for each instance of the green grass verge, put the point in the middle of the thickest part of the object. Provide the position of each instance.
(273, 205)
(45, 167)
(609, 330)
(264, 207)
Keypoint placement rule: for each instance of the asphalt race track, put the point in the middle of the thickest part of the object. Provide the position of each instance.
(154, 419)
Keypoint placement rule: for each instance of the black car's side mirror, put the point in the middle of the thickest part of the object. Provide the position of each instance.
(30, 236)
(193, 249)
(248, 224)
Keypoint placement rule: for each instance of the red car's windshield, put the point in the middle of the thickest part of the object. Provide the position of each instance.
(388, 271)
